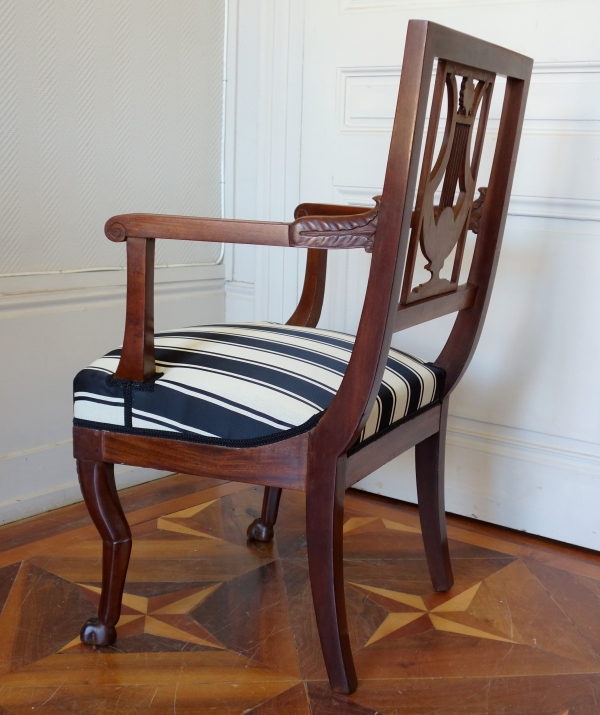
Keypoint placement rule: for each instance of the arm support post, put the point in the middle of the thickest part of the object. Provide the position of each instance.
(308, 312)
(137, 356)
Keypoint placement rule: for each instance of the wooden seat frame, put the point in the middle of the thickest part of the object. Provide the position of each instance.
(321, 462)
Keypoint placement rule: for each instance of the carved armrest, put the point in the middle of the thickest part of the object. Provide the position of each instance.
(353, 230)
(187, 228)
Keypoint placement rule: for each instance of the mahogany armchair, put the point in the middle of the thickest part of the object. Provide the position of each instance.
(300, 408)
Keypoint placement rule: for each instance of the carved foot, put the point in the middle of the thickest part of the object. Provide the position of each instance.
(259, 531)
(96, 633)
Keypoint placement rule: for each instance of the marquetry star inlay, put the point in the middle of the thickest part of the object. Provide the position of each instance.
(446, 616)
(169, 521)
(166, 616)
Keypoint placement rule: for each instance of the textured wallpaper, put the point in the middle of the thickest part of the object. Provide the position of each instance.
(106, 106)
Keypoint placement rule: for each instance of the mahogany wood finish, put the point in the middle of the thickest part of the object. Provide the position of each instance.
(262, 529)
(282, 464)
(323, 462)
(429, 462)
(137, 362)
(97, 480)
(187, 228)
(391, 445)
(349, 231)
(309, 307)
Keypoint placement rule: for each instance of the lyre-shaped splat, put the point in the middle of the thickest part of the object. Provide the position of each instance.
(438, 229)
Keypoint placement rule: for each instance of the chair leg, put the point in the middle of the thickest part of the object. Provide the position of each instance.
(97, 480)
(262, 529)
(429, 460)
(324, 533)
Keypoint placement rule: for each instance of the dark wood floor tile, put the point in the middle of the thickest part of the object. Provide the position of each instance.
(250, 615)
(290, 530)
(324, 702)
(540, 695)
(578, 597)
(219, 624)
(304, 625)
(539, 620)
(7, 578)
(51, 614)
(291, 702)
(99, 667)
(221, 699)
(436, 654)
(148, 643)
(364, 616)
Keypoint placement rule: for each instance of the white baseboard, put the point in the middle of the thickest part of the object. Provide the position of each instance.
(541, 484)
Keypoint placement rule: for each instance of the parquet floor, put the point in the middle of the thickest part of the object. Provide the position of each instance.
(214, 624)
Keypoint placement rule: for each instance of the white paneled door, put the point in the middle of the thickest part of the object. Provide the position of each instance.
(524, 438)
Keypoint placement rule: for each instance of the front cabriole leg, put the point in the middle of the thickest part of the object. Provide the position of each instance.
(97, 480)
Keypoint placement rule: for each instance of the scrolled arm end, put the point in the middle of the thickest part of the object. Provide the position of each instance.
(114, 230)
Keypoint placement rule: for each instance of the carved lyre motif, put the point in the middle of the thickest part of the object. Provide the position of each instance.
(438, 229)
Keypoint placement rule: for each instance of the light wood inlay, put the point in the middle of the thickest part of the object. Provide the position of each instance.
(229, 624)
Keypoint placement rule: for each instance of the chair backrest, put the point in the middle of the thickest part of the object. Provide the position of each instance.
(466, 72)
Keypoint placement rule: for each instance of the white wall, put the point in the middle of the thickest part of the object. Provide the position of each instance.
(105, 107)
(524, 437)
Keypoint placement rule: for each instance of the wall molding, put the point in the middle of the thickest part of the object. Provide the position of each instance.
(56, 325)
(563, 67)
(567, 455)
(533, 482)
(548, 207)
(367, 78)
(53, 302)
(263, 146)
(362, 5)
(551, 207)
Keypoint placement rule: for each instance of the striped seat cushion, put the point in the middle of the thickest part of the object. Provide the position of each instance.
(244, 385)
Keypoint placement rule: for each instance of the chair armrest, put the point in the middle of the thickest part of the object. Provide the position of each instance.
(188, 228)
(352, 230)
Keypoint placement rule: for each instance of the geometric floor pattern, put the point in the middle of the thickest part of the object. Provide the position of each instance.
(212, 623)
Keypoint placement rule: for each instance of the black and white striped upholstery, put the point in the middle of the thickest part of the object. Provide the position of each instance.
(244, 384)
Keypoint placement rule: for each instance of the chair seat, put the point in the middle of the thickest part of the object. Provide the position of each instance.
(245, 384)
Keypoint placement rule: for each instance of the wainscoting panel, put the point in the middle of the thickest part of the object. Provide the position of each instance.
(523, 446)
(52, 326)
